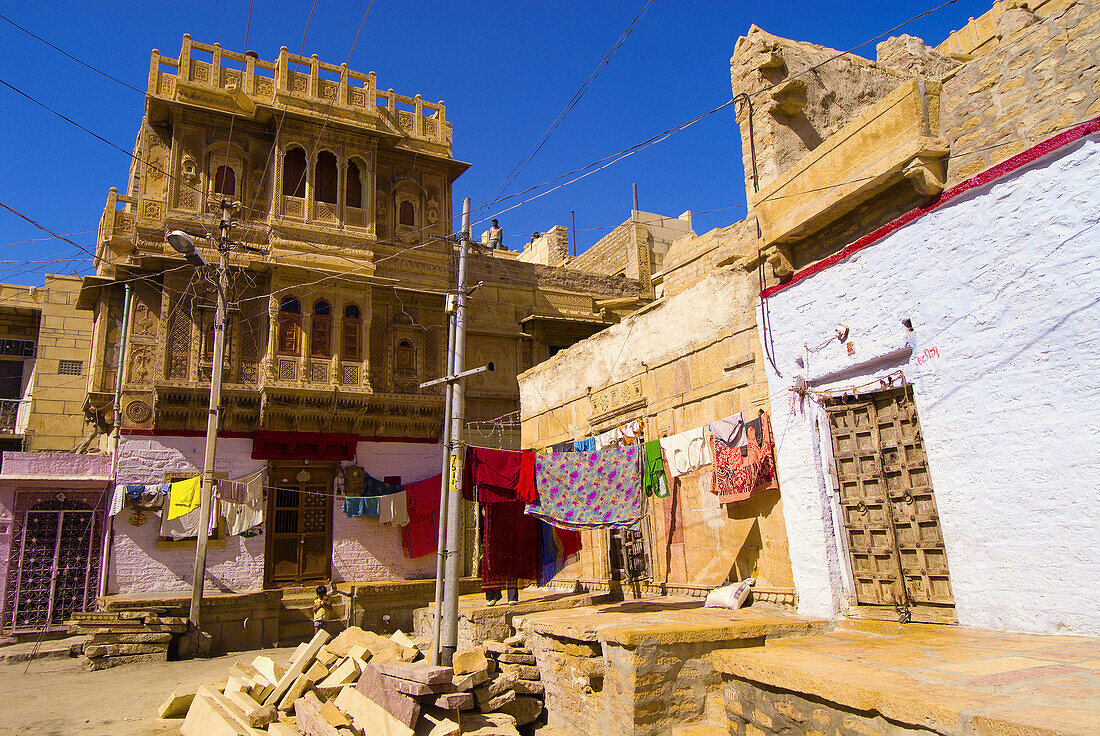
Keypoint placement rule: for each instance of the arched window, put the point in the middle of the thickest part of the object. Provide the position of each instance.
(353, 193)
(406, 215)
(405, 360)
(294, 173)
(290, 326)
(225, 181)
(352, 328)
(320, 341)
(326, 178)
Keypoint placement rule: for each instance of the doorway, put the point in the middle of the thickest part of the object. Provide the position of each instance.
(54, 565)
(299, 539)
(892, 527)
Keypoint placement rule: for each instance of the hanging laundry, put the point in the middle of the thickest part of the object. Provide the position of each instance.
(186, 526)
(654, 482)
(556, 546)
(685, 452)
(393, 509)
(183, 497)
(493, 474)
(629, 433)
(510, 547)
(420, 536)
(730, 430)
(374, 487)
(586, 445)
(741, 471)
(527, 490)
(244, 515)
(361, 506)
(607, 440)
(118, 495)
(589, 489)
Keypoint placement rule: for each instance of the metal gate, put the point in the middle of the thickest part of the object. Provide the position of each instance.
(889, 511)
(54, 565)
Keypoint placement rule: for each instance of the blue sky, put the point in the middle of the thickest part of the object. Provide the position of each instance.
(504, 69)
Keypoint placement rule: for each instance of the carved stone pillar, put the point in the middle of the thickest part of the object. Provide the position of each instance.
(271, 372)
(364, 338)
(304, 361)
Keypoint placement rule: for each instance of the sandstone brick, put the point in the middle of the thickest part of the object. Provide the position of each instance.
(521, 671)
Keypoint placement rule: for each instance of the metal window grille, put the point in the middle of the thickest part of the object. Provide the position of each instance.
(70, 367)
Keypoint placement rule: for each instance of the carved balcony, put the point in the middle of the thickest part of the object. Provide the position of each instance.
(894, 140)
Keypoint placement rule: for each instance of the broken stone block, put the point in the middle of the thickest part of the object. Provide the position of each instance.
(469, 660)
(494, 647)
(421, 672)
(521, 671)
(400, 638)
(178, 702)
(308, 718)
(334, 715)
(254, 714)
(383, 691)
(316, 672)
(582, 649)
(346, 672)
(519, 640)
(496, 703)
(416, 689)
(470, 681)
(524, 708)
(212, 714)
(368, 715)
(516, 658)
(267, 667)
(530, 687)
(455, 701)
(502, 684)
(487, 724)
(299, 663)
(358, 651)
(326, 656)
(102, 663)
(282, 729)
(298, 688)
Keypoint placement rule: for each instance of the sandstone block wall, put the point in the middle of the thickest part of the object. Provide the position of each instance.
(756, 710)
(1043, 75)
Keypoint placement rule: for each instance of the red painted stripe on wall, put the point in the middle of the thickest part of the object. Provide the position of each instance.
(989, 175)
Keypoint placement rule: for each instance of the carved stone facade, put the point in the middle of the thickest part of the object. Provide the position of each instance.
(336, 289)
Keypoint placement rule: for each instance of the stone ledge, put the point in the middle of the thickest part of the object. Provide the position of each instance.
(851, 684)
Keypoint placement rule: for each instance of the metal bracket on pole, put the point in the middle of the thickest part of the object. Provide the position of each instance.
(487, 368)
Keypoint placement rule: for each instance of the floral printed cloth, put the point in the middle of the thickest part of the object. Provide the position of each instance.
(742, 470)
(587, 490)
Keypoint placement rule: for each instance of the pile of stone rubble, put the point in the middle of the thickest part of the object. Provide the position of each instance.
(361, 683)
(121, 637)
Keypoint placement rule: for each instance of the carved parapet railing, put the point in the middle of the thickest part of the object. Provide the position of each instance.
(208, 75)
(893, 140)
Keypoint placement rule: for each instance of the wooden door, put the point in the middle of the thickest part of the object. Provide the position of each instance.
(299, 545)
(889, 510)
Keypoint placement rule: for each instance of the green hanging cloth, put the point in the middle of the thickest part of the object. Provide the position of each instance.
(654, 482)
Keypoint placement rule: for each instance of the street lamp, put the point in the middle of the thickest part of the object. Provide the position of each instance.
(182, 243)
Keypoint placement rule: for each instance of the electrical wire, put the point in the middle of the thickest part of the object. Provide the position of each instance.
(568, 107)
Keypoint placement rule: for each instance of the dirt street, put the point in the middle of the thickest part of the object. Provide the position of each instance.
(57, 698)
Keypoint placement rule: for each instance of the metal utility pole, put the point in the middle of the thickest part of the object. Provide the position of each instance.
(444, 482)
(449, 562)
(635, 185)
(213, 414)
(452, 571)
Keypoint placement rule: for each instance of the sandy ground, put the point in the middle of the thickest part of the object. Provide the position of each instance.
(57, 698)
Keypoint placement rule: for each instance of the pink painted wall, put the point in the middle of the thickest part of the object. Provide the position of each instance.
(55, 465)
(362, 549)
(137, 565)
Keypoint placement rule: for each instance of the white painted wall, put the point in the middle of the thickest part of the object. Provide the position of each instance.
(362, 549)
(1005, 284)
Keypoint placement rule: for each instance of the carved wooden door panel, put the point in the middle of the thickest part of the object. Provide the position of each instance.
(889, 510)
(300, 536)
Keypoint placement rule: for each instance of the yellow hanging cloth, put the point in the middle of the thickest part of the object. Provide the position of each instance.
(183, 497)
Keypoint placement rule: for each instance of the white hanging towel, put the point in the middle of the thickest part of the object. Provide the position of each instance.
(685, 452)
(393, 509)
